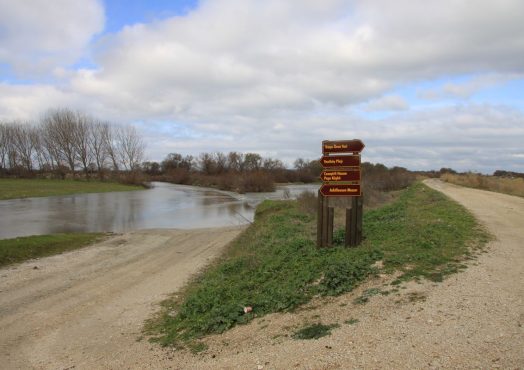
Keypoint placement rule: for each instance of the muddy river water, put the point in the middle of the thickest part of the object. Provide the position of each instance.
(163, 206)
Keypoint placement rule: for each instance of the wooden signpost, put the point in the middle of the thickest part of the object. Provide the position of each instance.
(341, 178)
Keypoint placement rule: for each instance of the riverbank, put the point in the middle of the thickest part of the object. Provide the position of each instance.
(84, 309)
(275, 267)
(30, 188)
(21, 249)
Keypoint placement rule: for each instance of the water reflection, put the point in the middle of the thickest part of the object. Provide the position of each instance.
(164, 206)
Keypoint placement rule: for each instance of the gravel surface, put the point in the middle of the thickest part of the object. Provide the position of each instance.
(90, 316)
(85, 309)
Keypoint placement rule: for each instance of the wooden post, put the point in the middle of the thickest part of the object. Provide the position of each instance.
(347, 236)
(353, 226)
(331, 220)
(320, 201)
(325, 222)
(360, 204)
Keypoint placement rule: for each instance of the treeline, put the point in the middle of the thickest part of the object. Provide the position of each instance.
(234, 171)
(66, 142)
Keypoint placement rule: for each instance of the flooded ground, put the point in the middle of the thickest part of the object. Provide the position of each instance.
(163, 206)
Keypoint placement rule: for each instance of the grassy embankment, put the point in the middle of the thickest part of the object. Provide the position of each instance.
(25, 188)
(24, 248)
(274, 266)
(511, 186)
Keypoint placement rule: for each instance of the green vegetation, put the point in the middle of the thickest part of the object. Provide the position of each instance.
(274, 265)
(25, 188)
(27, 247)
(314, 331)
(351, 321)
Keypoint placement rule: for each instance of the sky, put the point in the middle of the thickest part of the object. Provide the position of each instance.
(424, 85)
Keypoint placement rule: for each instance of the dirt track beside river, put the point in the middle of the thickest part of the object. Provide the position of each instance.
(85, 309)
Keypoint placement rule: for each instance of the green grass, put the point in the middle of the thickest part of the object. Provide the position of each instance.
(27, 247)
(274, 265)
(25, 188)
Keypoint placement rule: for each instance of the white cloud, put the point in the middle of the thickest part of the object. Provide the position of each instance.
(387, 103)
(38, 36)
(279, 76)
(466, 89)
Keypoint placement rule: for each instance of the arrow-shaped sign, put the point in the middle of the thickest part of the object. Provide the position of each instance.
(340, 161)
(342, 146)
(341, 175)
(340, 190)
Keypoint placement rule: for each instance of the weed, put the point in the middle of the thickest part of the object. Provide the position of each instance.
(197, 347)
(351, 321)
(314, 331)
(366, 295)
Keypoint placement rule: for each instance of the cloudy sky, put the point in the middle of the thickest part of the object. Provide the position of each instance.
(425, 84)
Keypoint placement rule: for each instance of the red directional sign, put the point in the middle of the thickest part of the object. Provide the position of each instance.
(340, 190)
(341, 175)
(340, 161)
(342, 146)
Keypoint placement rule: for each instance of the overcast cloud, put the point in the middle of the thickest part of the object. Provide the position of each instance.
(278, 77)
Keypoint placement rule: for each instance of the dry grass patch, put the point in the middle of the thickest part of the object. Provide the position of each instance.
(511, 186)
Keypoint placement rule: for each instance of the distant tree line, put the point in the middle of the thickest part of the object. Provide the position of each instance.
(242, 172)
(68, 142)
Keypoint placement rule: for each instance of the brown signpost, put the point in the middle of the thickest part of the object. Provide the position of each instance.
(342, 146)
(340, 161)
(341, 177)
(337, 190)
(349, 175)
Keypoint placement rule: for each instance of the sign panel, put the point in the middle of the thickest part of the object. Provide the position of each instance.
(342, 146)
(341, 175)
(340, 190)
(340, 161)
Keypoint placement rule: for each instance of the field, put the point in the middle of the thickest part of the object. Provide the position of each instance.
(26, 188)
(274, 266)
(511, 186)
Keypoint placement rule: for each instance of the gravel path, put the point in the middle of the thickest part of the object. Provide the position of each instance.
(85, 309)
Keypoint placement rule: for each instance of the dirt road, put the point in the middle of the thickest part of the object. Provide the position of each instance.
(85, 309)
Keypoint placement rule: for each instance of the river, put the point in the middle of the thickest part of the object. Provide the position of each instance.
(163, 206)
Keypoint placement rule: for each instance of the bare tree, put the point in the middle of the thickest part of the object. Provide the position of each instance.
(221, 162)
(130, 147)
(82, 138)
(4, 145)
(235, 161)
(111, 146)
(24, 139)
(98, 145)
(60, 126)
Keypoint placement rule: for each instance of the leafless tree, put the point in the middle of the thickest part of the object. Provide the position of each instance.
(83, 127)
(4, 145)
(111, 146)
(97, 143)
(235, 161)
(24, 139)
(221, 162)
(130, 147)
(60, 126)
